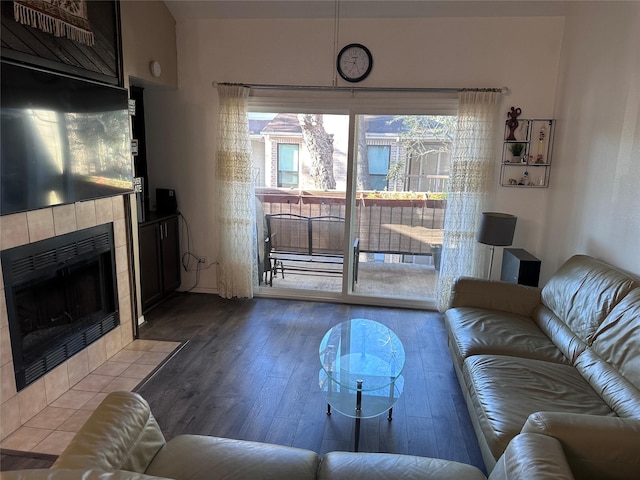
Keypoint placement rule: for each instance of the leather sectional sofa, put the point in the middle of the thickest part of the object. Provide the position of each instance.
(551, 378)
(122, 440)
(563, 361)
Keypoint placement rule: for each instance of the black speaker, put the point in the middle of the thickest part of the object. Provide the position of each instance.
(519, 266)
(166, 201)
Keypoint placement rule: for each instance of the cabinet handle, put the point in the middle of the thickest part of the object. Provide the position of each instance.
(166, 230)
(161, 232)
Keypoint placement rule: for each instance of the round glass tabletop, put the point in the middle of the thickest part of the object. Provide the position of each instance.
(361, 350)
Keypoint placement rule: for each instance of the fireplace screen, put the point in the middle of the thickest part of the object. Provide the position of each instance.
(60, 298)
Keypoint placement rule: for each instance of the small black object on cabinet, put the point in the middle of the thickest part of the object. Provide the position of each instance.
(519, 266)
(159, 244)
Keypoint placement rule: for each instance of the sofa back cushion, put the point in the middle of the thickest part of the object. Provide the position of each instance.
(612, 363)
(380, 466)
(583, 291)
(194, 457)
(559, 332)
(70, 474)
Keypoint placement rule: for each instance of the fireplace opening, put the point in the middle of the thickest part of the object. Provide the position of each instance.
(60, 298)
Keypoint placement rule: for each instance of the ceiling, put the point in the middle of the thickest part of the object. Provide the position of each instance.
(265, 9)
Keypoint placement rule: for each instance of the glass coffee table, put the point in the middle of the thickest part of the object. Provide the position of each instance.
(361, 375)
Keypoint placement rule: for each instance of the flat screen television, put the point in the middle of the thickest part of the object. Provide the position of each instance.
(62, 139)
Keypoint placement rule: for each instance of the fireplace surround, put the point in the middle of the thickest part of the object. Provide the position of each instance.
(61, 297)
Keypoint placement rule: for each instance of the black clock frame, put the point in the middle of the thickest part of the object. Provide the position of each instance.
(343, 75)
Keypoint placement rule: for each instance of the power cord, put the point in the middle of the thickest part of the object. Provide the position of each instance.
(190, 262)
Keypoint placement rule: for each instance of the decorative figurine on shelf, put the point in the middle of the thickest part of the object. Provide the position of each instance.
(525, 180)
(541, 137)
(513, 122)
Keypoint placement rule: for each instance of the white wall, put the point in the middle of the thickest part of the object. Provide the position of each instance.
(148, 33)
(594, 201)
(521, 53)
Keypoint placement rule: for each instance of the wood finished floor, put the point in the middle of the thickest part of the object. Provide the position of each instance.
(249, 370)
(15, 460)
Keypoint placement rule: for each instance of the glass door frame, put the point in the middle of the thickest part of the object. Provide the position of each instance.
(442, 104)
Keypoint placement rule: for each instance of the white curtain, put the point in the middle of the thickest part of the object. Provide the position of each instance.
(237, 271)
(471, 177)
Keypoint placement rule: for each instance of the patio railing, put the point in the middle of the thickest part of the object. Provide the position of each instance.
(388, 222)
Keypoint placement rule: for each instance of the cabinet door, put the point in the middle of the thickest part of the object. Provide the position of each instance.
(150, 274)
(170, 255)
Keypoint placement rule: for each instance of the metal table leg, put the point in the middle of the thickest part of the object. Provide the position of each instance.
(358, 410)
(391, 387)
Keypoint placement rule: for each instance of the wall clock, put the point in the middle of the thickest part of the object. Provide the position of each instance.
(354, 62)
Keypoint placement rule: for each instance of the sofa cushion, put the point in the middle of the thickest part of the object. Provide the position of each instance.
(505, 390)
(474, 331)
(373, 466)
(612, 363)
(224, 458)
(583, 291)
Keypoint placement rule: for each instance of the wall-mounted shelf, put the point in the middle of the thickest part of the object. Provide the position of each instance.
(531, 166)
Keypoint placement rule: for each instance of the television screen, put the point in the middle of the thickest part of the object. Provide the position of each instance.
(62, 139)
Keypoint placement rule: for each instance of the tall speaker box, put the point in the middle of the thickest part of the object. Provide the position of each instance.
(519, 266)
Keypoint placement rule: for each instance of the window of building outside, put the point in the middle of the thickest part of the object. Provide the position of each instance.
(288, 165)
(379, 157)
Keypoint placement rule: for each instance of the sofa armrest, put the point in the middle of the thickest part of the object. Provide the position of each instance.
(121, 434)
(495, 295)
(595, 446)
(532, 456)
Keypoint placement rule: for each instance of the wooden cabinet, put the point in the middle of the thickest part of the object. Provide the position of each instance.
(159, 243)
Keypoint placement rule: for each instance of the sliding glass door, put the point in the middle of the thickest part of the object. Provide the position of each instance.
(402, 171)
(374, 233)
(301, 165)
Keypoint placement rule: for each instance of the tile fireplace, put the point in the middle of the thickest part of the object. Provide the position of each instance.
(98, 295)
(60, 295)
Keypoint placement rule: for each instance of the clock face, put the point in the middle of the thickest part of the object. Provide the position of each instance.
(354, 62)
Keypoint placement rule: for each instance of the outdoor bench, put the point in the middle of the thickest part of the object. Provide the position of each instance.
(302, 244)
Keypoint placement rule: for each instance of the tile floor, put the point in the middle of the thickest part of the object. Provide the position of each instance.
(52, 429)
